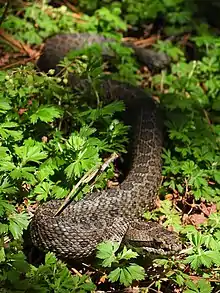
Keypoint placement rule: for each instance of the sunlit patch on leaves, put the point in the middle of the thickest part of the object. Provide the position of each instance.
(46, 114)
(30, 152)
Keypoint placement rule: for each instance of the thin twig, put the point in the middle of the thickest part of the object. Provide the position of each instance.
(85, 179)
(141, 43)
(207, 117)
(20, 62)
(17, 44)
(90, 267)
(147, 42)
(70, 6)
(76, 272)
(104, 166)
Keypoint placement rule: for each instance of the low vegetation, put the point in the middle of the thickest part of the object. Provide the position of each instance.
(51, 137)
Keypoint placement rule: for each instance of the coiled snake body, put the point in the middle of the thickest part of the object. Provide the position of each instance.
(113, 214)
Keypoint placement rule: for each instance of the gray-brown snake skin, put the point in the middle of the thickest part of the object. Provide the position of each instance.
(113, 214)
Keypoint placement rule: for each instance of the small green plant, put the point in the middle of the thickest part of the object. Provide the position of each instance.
(171, 217)
(43, 158)
(122, 269)
(53, 276)
(49, 21)
(205, 245)
(189, 126)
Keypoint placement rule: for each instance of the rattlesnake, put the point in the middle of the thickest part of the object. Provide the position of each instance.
(113, 214)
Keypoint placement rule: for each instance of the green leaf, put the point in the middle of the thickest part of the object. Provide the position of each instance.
(202, 286)
(43, 190)
(6, 187)
(3, 228)
(127, 254)
(5, 207)
(196, 238)
(85, 160)
(50, 258)
(2, 254)
(76, 142)
(214, 256)
(204, 258)
(44, 172)
(114, 275)
(7, 166)
(59, 192)
(19, 262)
(17, 223)
(4, 105)
(6, 132)
(46, 113)
(126, 275)
(137, 272)
(214, 220)
(29, 153)
(24, 173)
(106, 251)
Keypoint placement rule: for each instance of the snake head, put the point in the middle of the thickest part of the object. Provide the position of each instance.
(153, 238)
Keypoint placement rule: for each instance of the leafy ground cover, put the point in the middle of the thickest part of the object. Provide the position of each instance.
(51, 137)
